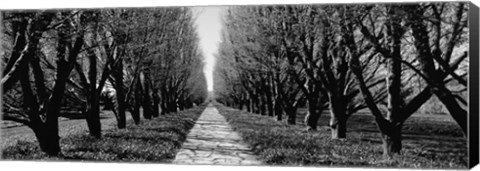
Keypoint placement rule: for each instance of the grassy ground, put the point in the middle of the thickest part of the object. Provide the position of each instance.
(155, 140)
(429, 142)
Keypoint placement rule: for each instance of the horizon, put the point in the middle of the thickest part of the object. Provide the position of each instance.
(208, 29)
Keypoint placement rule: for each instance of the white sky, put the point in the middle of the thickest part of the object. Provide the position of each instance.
(208, 27)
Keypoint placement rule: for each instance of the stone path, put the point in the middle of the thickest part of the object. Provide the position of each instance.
(212, 141)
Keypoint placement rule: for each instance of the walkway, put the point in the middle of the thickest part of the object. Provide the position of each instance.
(212, 141)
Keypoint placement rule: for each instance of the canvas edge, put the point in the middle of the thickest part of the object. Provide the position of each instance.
(473, 131)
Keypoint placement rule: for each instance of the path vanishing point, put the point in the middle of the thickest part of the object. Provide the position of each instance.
(213, 141)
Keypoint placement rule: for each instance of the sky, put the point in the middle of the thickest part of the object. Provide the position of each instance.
(208, 28)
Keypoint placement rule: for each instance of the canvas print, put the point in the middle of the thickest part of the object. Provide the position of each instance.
(370, 85)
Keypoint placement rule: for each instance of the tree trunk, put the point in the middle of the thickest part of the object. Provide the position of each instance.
(46, 132)
(163, 103)
(338, 126)
(181, 103)
(92, 114)
(188, 104)
(392, 137)
(163, 106)
(47, 141)
(172, 105)
(249, 104)
(391, 140)
(292, 115)
(53, 107)
(18, 59)
(255, 104)
(456, 111)
(52, 144)
(269, 100)
(136, 113)
(147, 103)
(427, 65)
(20, 42)
(137, 102)
(263, 105)
(278, 109)
(120, 96)
(93, 118)
(39, 79)
(156, 102)
(311, 119)
(240, 103)
(338, 116)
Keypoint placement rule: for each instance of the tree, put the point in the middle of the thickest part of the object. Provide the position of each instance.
(105, 50)
(42, 109)
(389, 45)
(299, 41)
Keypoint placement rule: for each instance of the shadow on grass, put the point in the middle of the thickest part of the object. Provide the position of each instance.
(277, 143)
(155, 140)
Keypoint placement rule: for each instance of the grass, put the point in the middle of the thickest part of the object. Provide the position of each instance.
(155, 140)
(429, 142)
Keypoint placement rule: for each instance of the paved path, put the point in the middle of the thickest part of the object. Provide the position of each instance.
(212, 141)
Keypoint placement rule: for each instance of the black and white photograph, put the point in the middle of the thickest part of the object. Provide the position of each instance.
(389, 85)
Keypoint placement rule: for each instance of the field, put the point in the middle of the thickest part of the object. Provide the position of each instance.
(155, 140)
(429, 141)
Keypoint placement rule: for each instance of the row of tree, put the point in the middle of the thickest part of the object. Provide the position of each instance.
(388, 58)
(57, 61)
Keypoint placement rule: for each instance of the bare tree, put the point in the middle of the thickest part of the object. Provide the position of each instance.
(42, 109)
(105, 50)
(389, 44)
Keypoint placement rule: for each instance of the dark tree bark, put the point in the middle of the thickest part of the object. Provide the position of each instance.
(19, 28)
(48, 141)
(241, 102)
(392, 138)
(288, 99)
(147, 103)
(120, 95)
(292, 115)
(156, 102)
(93, 106)
(311, 119)
(434, 76)
(389, 127)
(278, 109)
(459, 114)
(39, 78)
(181, 102)
(338, 117)
(18, 57)
(164, 101)
(263, 104)
(277, 104)
(255, 103)
(172, 105)
(47, 132)
(137, 102)
(249, 102)
(269, 97)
